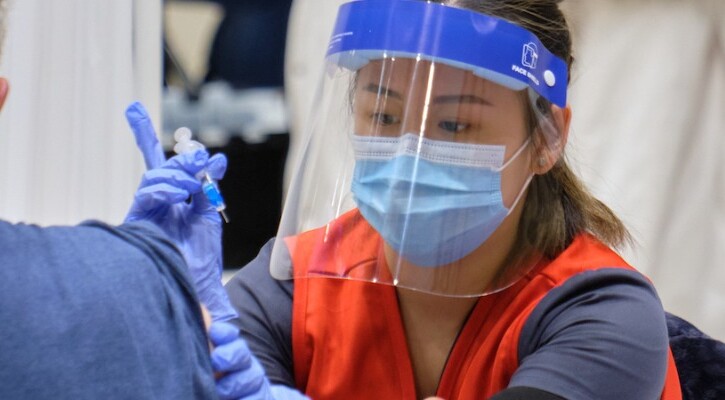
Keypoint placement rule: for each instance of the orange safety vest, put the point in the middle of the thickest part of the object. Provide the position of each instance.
(348, 339)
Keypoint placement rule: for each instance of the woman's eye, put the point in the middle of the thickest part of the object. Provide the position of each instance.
(385, 119)
(452, 126)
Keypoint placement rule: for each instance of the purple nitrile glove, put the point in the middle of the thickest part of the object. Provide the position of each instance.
(244, 377)
(195, 226)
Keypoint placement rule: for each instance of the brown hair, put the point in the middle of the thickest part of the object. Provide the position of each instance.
(558, 206)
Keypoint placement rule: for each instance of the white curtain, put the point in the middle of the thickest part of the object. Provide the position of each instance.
(648, 133)
(73, 66)
(648, 99)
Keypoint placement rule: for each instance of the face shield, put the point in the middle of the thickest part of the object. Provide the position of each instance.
(420, 145)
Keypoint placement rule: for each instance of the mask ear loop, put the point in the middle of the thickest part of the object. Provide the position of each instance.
(528, 179)
(521, 193)
(548, 128)
(513, 157)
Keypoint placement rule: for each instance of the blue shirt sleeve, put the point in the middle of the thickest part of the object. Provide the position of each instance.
(264, 304)
(95, 311)
(600, 335)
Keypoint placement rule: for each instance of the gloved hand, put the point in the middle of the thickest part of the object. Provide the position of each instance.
(244, 377)
(195, 227)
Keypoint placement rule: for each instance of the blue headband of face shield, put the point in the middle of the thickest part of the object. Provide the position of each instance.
(490, 47)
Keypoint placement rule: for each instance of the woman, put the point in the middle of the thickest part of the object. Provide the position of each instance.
(453, 193)
(457, 256)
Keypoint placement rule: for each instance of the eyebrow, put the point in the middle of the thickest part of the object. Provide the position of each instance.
(465, 98)
(373, 88)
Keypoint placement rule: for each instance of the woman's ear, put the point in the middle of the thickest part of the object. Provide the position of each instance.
(546, 153)
(4, 89)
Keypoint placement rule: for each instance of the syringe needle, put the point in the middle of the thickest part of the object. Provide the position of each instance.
(224, 216)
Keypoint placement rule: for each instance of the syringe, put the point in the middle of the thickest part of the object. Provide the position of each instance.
(184, 144)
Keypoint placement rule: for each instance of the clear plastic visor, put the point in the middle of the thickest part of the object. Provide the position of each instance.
(414, 176)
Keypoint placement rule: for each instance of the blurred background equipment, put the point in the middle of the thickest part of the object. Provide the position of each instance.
(223, 73)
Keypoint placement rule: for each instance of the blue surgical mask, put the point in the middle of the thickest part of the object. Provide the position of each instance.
(434, 202)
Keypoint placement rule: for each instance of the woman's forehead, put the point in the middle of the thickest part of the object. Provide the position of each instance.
(403, 72)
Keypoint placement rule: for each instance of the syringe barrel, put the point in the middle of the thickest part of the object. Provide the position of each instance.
(211, 190)
(184, 144)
